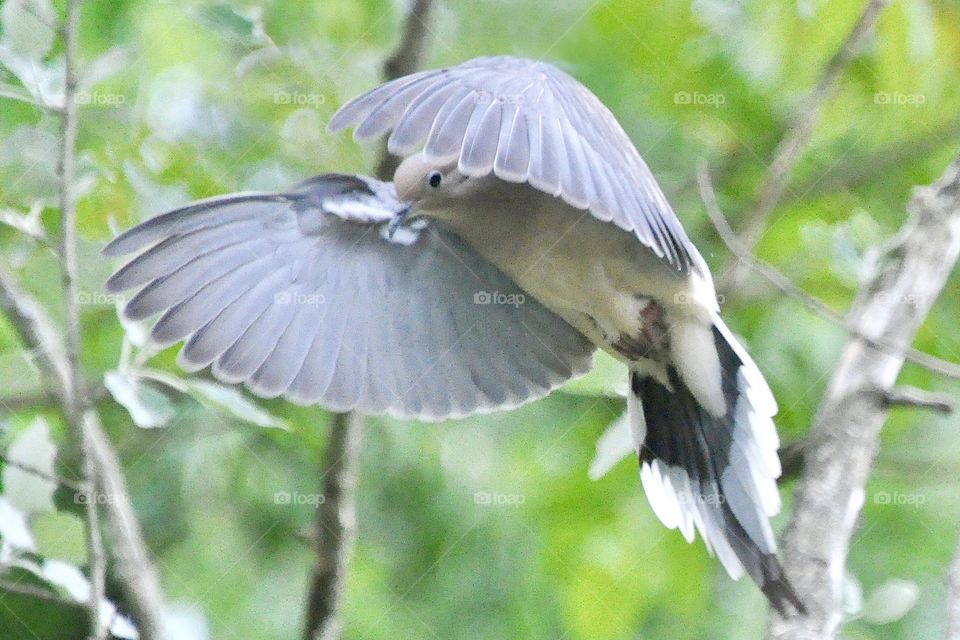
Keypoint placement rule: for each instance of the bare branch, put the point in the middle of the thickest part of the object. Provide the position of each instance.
(132, 561)
(814, 304)
(38, 332)
(75, 406)
(24, 589)
(843, 442)
(336, 527)
(917, 398)
(797, 137)
(44, 397)
(13, 92)
(40, 473)
(101, 469)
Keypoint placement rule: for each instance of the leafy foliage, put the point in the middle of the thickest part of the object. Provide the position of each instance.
(487, 527)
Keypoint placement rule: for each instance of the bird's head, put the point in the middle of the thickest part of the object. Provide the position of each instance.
(427, 184)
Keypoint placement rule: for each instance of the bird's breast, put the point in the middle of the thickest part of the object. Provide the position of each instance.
(596, 276)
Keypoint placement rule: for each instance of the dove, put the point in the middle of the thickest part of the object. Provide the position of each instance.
(522, 231)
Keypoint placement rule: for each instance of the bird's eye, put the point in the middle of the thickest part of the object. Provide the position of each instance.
(434, 179)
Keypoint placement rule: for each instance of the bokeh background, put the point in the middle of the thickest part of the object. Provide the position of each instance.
(489, 527)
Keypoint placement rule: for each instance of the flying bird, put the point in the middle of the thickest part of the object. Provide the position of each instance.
(522, 231)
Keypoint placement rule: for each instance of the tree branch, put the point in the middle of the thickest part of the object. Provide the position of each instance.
(797, 138)
(336, 516)
(843, 442)
(913, 397)
(814, 304)
(75, 405)
(137, 574)
(25, 589)
(45, 398)
(73, 485)
(336, 527)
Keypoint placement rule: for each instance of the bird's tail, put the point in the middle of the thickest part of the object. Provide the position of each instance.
(713, 472)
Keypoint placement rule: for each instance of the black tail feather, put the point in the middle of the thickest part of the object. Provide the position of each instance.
(702, 454)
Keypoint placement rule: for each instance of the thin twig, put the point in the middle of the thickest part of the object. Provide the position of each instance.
(24, 589)
(844, 438)
(791, 454)
(133, 565)
(12, 92)
(779, 280)
(76, 406)
(798, 135)
(138, 576)
(79, 487)
(916, 398)
(39, 398)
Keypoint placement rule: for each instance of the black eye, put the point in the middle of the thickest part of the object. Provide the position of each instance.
(434, 178)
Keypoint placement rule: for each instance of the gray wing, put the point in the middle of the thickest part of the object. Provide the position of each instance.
(306, 295)
(525, 121)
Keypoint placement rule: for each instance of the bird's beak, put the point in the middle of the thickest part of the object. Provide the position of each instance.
(398, 219)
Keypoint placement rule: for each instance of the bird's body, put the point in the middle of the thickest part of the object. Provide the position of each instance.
(386, 298)
(593, 274)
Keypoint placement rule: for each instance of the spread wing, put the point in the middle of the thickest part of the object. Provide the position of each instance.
(306, 295)
(524, 121)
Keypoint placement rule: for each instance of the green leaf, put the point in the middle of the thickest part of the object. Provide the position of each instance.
(231, 402)
(890, 601)
(13, 527)
(31, 492)
(28, 27)
(60, 535)
(148, 407)
(613, 445)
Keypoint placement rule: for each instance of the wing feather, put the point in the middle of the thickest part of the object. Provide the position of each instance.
(480, 140)
(305, 295)
(386, 114)
(415, 124)
(449, 128)
(525, 120)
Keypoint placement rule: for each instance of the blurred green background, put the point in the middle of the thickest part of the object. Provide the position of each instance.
(196, 98)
